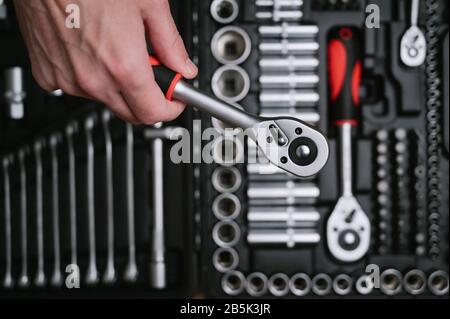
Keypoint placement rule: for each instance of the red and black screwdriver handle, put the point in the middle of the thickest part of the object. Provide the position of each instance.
(344, 74)
(166, 79)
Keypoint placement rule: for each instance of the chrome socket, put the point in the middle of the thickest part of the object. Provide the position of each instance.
(226, 234)
(226, 206)
(311, 118)
(289, 216)
(287, 47)
(391, 282)
(228, 151)
(225, 259)
(224, 11)
(288, 81)
(233, 283)
(283, 192)
(289, 99)
(15, 93)
(438, 283)
(343, 285)
(280, 15)
(286, 30)
(279, 285)
(230, 83)
(226, 179)
(231, 45)
(322, 284)
(415, 282)
(257, 284)
(300, 285)
(363, 286)
(288, 64)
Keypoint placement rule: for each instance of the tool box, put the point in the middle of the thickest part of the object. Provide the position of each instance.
(250, 229)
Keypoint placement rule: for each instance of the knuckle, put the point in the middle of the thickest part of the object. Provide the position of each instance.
(124, 71)
(87, 82)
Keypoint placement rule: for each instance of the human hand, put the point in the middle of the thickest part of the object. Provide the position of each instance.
(106, 59)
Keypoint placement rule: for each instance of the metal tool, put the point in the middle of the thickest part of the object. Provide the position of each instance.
(109, 276)
(348, 227)
(322, 284)
(413, 47)
(224, 11)
(131, 271)
(70, 131)
(158, 269)
(282, 237)
(231, 45)
(56, 279)
(230, 83)
(226, 179)
(40, 279)
(286, 30)
(233, 283)
(290, 63)
(288, 80)
(228, 150)
(15, 92)
(288, 143)
(8, 281)
(280, 15)
(363, 285)
(226, 234)
(301, 98)
(290, 191)
(438, 283)
(343, 285)
(415, 282)
(225, 259)
(3, 10)
(391, 282)
(24, 280)
(279, 285)
(257, 284)
(279, 3)
(226, 206)
(287, 47)
(92, 276)
(289, 216)
(300, 285)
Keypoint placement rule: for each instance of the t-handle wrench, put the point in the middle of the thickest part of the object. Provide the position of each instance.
(348, 227)
(8, 281)
(288, 143)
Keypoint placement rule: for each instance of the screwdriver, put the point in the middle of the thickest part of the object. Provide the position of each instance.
(348, 227)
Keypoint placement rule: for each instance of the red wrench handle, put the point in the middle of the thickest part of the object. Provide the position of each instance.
(345, 73)
(166, 79)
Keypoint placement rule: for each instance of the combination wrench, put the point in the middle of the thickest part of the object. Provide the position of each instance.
(288, 143)
(109, 276)
(70, 131)
(40, 279)
(348, 227)
(131, 271)
(8, 281)
(56, 279)
(92, 275)
(24, 280)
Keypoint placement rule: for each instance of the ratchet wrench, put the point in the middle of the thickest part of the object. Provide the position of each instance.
(348, 227)
(288, 143)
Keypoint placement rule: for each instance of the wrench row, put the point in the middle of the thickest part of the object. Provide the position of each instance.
(55, 145)
(392, 282)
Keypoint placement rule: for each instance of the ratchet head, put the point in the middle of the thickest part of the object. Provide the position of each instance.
(292, 145)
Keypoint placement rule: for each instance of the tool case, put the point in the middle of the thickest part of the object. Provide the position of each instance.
(247, 230)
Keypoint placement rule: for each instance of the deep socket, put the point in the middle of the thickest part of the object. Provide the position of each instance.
(290, 216)
(391, 282)
(290, 63)
(233, 283)
(279, 3)
(282, 237)
(322, 284)
(225, 259)
(230, 83)
(279, 285)
(231, 45)
(15, 93)
(415, 282)
(288, 81)
(309, 117)
(224, 11)
(226, 234)
(226, 179)
(286, 47)
(300, 285)
(288, 98)
(278, 15)
(438, 283)
(343, 285)
(286, 30)
(226, 206)
(289, 190)
(257, 284)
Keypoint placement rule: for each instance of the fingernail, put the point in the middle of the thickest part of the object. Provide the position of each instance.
(191, 68)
